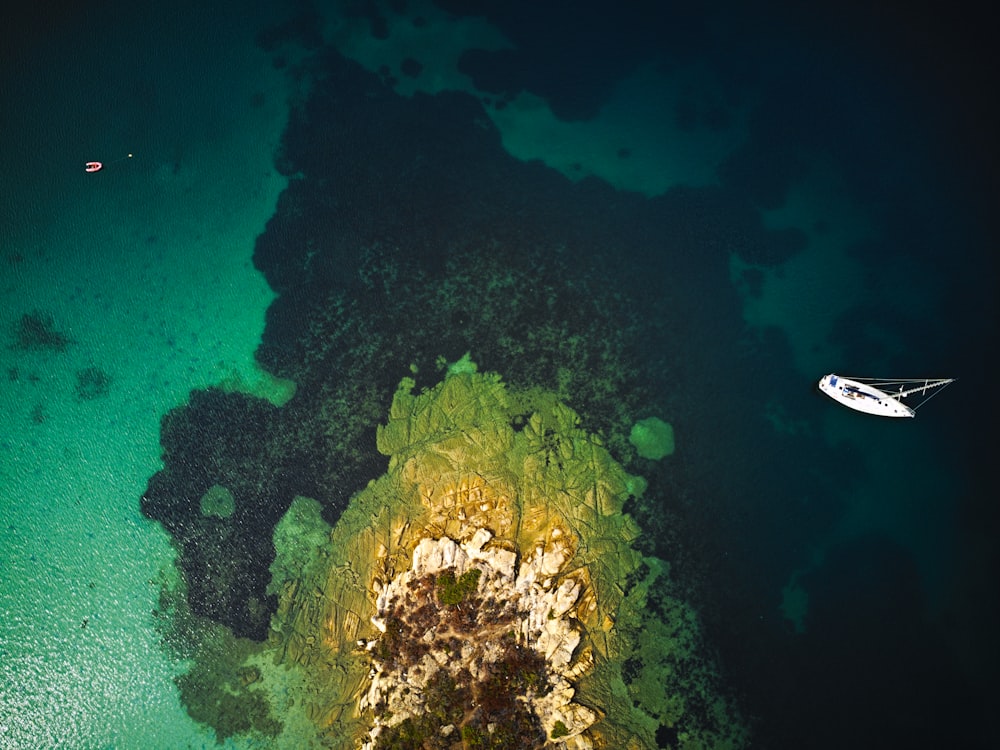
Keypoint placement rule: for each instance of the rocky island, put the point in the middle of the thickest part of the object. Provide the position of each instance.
(483, 593)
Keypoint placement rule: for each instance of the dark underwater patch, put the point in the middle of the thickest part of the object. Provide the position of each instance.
(91, 383)
(36, 331)
(573, 54)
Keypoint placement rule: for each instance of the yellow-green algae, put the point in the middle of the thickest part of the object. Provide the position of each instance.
(468, 454)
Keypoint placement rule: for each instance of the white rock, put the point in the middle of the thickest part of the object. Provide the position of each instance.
(475, 545)
(566, 596)
(553, 559)
(503, 561)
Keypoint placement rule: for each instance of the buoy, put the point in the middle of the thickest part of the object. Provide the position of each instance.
(96, 166)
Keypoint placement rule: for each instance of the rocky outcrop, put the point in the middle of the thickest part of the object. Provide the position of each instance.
(509, 485)
(483, 592)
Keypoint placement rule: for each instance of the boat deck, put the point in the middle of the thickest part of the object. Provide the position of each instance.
(863, 397)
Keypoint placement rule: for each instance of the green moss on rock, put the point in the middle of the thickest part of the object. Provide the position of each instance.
(452, 591)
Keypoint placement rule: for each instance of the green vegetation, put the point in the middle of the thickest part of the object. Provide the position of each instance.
(489, 712)
(451, 591)
(472, 737)
(446, 701)
(559, 730)
(409, 733)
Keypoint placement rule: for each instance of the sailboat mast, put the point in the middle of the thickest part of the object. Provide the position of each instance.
(928, 384)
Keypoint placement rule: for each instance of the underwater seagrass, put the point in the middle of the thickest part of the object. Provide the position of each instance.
(484, 592)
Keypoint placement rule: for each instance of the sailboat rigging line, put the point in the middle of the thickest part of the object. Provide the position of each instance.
(933, 394)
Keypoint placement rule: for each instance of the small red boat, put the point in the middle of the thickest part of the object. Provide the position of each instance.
(94, 166)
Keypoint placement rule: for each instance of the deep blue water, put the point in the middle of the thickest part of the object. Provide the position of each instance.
(746, 197)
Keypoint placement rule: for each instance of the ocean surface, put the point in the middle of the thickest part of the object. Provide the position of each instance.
(673, 210)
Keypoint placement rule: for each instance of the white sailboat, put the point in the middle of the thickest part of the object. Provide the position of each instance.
(879, 395)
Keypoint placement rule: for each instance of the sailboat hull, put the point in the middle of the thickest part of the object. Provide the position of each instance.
(863, 397)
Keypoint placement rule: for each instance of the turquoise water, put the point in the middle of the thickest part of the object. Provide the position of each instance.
(776, 199)
(145, 268)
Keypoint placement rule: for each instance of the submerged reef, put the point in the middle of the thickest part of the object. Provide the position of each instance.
(483, 592)
(653, 438)
(218, 502)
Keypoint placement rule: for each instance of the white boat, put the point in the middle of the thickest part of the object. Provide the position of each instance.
(879, 395)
